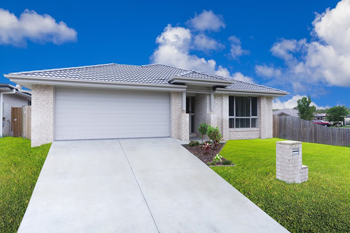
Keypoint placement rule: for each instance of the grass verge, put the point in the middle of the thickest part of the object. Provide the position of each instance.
(20, 166)
(321, 204)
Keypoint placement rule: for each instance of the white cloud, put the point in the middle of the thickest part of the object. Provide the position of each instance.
(205, 43)
(323, 60)
(285, 48)
(174, 46)
(267, 71)
(206, 21)
(34, 27)
(292, 103)
(221, 71)
(236, 48)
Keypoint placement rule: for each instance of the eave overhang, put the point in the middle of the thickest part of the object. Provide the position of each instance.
(200, 82)
(28, 81)
(249, 92)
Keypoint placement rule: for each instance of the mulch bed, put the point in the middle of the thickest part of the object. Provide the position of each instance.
(206, 157)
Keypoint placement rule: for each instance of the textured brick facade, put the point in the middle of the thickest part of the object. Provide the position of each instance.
(289, 166)
(266, 120)
(43, 99)
(43, 104)
(179, 118)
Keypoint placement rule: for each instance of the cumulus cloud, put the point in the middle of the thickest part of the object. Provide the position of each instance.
(34, 27)
(205, 43)
(267, 71)
(292, 103)
(174, 45)
(206, 21)
(236, 48)
(323, 60)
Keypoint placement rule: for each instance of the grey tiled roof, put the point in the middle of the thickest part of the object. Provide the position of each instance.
(287, 111)
(240, 85)
(147, 74)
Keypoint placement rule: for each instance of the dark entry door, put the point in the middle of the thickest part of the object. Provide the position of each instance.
(190, 103)
(16, 121)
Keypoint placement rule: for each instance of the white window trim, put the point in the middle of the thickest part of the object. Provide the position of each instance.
(250, 117)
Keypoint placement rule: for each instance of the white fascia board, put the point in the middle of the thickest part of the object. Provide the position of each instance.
(29, 81)
(249, 93)
(202, 82)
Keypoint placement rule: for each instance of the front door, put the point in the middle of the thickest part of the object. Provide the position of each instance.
(190, 103)
(16, 121)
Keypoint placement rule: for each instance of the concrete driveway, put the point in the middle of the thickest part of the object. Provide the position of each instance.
(136, 185)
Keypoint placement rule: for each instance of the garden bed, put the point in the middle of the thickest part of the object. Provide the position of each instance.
(207, 156)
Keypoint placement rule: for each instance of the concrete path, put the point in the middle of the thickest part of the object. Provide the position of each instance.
(136, 185)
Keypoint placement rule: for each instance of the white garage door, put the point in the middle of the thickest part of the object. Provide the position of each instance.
(104, 113)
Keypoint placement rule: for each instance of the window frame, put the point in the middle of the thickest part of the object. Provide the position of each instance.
(246, 117)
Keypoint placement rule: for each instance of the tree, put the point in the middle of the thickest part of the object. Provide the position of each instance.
(305, 111)
(337, 114)
(203, 129)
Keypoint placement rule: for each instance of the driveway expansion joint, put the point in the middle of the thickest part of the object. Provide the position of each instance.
(144, 198)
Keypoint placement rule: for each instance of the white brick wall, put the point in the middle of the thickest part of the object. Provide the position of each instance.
(202, 114)
(266, 120)
(179, 118)
(43, 97)
(11, 100)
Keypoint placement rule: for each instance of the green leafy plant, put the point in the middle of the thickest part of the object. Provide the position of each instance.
(214, 134)
(226, 162)
(217, 158)
(203, 130)
(193, 143)
(305, 111)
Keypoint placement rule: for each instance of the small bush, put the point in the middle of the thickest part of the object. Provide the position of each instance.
(214, 134)
(227, 162)
(203, 130)
(217, 158)
(207, 147)
(193, 143)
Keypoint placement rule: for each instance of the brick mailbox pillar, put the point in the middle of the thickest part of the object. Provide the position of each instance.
(289, 166)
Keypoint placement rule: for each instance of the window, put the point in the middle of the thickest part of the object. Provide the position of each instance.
(243, 112)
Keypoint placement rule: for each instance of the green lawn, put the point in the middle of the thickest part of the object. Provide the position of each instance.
(20, 166)
(321, 204)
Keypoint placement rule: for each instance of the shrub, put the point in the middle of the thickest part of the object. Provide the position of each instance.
(227, 162)
(214, 134)
(207, 147)
(217, 158)
(193, 143)
(203, 130)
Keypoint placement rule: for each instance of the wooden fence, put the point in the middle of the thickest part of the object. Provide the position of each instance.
(294, 128)
(27, 119)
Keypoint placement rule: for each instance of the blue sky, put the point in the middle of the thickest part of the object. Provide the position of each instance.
(297, 46)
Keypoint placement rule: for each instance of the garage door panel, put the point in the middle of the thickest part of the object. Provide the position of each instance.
(94, 114)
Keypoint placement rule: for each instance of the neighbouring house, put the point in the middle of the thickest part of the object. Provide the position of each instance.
(320, 116)
(286, 112)
(128, 101)
(347, 120)
(12, 97)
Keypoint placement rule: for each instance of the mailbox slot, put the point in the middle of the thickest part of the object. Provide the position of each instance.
(295, 151)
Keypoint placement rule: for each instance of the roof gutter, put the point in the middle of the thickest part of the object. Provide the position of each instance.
(249, 93)
(27, 81)
(211, 82)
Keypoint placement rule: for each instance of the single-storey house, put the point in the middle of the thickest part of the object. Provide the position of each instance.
(320, 116)
(286, 112)
(11, 97)
(347, 120)
(129, 101)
